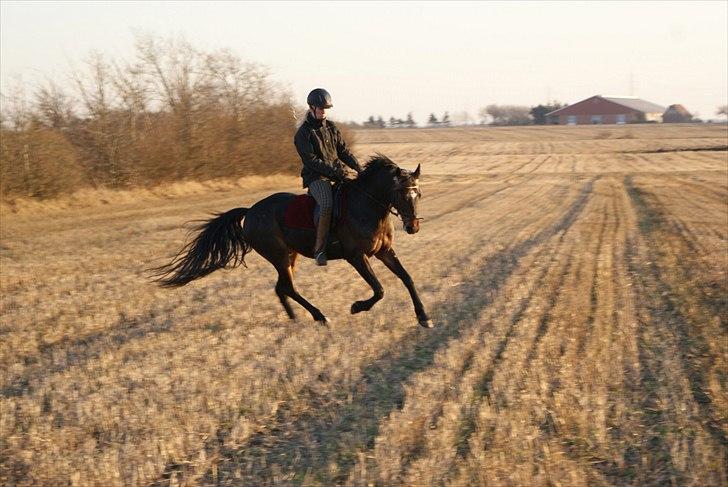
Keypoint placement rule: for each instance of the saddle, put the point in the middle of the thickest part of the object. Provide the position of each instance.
(303, 213)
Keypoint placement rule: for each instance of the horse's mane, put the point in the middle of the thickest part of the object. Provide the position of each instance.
(377, 162)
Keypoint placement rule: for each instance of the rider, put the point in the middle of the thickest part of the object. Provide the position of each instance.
(324, 153)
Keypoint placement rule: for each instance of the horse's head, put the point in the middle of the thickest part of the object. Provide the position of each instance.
(390, 186)
(406, 196)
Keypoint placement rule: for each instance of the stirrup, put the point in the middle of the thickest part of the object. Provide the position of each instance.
(320, 258)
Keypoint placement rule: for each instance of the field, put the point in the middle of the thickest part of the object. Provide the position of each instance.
(577, 277)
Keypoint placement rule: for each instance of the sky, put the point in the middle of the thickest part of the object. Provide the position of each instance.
(391, 58)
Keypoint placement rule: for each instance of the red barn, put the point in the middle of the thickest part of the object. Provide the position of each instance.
(607, 109)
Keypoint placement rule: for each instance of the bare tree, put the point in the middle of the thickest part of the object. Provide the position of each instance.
(235, 84)
(176, 73)
(99, 135)
(133, 92)
(94, 86)
(509, 114)
(15, 108)
(53, 107)
(173, 112)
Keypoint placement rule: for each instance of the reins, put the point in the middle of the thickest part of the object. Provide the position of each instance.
(390, 207)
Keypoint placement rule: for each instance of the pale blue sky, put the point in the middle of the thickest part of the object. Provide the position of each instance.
(390, 58)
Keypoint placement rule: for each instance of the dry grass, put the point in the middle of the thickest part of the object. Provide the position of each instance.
(577, 277)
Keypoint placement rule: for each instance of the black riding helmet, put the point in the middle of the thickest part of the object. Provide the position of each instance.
(319, 98)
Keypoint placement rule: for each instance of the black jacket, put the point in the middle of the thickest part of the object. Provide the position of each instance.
(323, 151)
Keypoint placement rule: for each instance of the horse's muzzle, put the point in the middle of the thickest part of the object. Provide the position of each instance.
(413, 226)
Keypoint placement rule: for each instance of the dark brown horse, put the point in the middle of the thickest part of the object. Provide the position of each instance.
(364, 230)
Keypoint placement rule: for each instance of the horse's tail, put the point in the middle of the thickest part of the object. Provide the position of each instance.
(219, 244)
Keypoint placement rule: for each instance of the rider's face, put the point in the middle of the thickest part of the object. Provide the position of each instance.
(319, 113)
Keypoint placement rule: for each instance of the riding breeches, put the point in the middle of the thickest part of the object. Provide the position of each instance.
(321, 192)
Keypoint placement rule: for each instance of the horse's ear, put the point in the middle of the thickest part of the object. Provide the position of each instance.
(416, 174)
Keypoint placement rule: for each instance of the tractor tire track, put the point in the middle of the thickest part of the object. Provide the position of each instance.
(663, 327)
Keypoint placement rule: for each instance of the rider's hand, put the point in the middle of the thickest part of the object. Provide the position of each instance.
(350, 175)
(339, 171)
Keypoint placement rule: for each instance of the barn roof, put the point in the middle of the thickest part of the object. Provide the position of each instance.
(635, 103)
(631, 102)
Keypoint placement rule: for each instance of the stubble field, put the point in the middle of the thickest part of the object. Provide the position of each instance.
(577, 277)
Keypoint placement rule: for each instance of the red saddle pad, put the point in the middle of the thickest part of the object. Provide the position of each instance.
(299, 212)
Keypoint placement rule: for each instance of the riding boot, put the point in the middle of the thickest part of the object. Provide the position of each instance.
(322, 236)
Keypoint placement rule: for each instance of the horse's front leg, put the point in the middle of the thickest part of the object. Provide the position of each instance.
(393, 264)
(360, 262)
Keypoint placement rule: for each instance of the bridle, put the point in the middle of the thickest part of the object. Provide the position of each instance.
(390, 207)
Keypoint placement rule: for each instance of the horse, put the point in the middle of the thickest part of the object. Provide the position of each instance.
(365, 230)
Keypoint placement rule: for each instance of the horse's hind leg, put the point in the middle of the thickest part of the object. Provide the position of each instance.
(283, 261)
(283, 297)
(281, 285)
(284, 289)
(292, 257)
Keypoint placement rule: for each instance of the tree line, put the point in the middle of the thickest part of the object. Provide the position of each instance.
(379, 122)
(173, 112)
(489, 115)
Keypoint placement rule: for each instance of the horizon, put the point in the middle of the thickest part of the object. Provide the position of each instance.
(391, 59)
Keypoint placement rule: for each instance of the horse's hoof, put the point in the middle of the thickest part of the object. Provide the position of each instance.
(427, 323)
(356, 308)
(324, 322)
